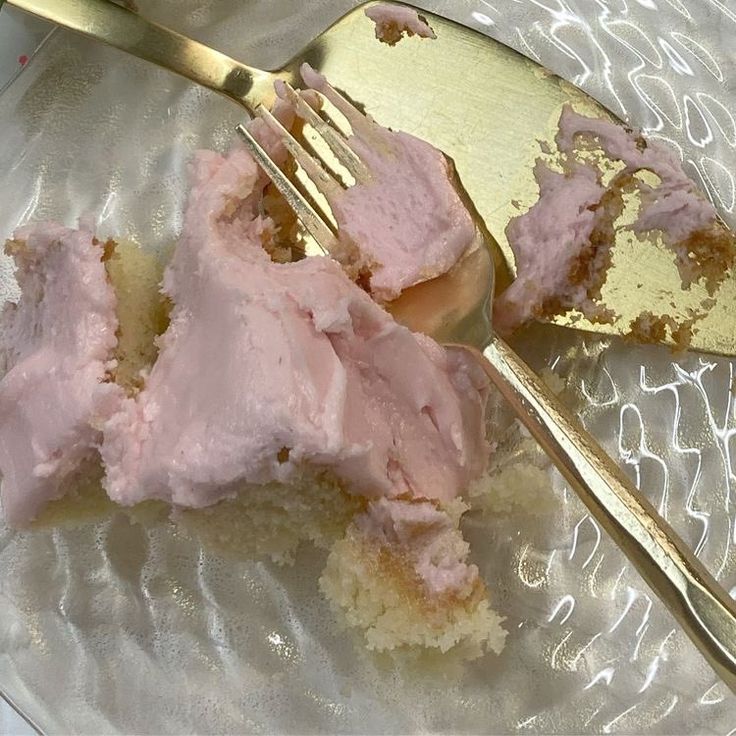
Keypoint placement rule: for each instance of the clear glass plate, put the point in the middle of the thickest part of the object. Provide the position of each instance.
(21, 35)
(111, 628)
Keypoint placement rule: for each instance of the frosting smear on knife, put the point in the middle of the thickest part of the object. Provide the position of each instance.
(563, 244)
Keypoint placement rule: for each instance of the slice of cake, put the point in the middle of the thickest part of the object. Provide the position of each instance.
(284, 401)
(280, 404)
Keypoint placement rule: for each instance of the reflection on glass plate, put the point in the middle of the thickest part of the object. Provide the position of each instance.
(111, 627)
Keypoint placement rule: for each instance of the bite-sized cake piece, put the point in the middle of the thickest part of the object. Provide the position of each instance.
(406, 223)
(562, 244)
(401, 574)
(58, 343)
(270, 367)
(394, 21)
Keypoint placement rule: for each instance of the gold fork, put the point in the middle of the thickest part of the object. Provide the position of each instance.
(456, 309)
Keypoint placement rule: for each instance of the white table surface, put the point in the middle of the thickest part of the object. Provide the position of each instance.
(19, 36)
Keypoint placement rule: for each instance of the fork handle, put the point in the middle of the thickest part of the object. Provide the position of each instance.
(114, 25)
(664, 560)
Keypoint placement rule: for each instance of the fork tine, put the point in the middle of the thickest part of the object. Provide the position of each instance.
(314, 224)
(344, 154)
(329, 186)
(360, 123)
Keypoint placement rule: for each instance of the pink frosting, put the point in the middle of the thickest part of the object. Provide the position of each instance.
(266, 367)
(427, 537)
(407, 222)
(675, 206)
(549, 238)
(57, 343)
(393, 20)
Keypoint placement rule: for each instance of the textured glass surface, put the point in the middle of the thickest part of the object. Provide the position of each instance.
(112, 628)
(20, 36)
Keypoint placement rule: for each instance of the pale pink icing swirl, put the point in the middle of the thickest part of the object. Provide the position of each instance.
(266, 367)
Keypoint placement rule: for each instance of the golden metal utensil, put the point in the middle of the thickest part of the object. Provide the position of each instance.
(488, 122)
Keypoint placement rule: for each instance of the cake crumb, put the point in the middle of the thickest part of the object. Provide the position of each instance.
(393, 22)
(653, 329)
